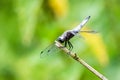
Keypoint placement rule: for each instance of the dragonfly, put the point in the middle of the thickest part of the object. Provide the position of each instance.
(66, 37)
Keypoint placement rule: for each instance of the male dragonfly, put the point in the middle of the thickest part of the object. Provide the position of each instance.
(66, 36)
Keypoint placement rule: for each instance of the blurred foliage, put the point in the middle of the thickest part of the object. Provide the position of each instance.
(28, 26)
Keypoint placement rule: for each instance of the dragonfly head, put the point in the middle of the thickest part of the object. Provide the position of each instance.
(60, 40)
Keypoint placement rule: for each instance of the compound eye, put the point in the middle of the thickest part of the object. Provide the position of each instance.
(60, 40)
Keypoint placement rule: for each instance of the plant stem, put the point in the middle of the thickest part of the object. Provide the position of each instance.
(75, 57)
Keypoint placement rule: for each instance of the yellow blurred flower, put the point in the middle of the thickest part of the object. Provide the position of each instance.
(98, 47)
(59, 7)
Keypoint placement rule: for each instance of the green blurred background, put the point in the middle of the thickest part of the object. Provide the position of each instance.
(28, 26)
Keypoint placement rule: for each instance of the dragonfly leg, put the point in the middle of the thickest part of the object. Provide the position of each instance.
(65, 44)
(70, 45)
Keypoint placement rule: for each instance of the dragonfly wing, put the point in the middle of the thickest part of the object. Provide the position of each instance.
(52, 49)
(89, 31)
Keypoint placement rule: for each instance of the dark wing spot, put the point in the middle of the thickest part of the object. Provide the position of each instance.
(41, 52)
(48, 51)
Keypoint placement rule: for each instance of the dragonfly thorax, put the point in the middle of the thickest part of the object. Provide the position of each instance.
(66, 36)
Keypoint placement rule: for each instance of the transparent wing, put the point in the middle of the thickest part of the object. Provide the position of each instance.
(85, 31)
(78, 44)
(78, 40)
(50, 50)
(89, 31)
